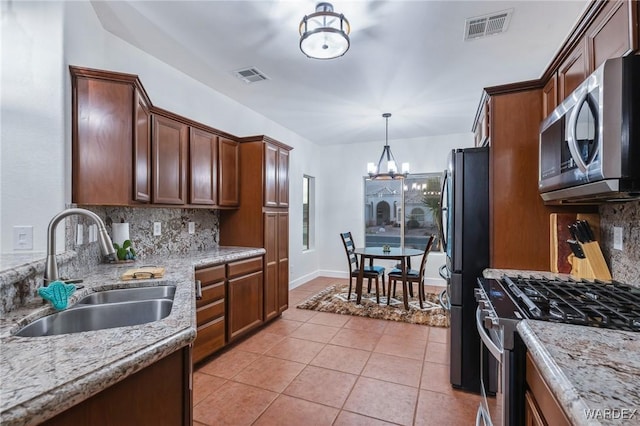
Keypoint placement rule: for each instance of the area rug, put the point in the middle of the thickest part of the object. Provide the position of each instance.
(334, 299)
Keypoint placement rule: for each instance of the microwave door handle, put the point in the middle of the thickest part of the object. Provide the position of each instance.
(571, 137)
(486, 339)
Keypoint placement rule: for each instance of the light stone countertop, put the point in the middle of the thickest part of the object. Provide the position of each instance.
(594, 373)
(43, 376)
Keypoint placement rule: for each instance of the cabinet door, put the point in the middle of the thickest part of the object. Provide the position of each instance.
(283, 178)
(609, 37)
(169, 161)
(283, 261)
(228, 173)
(102, 137)
(271, 299)
(550, 96)
(142, 152)
(270, 175)
(573, 70)
(245, 304)
(203, 176)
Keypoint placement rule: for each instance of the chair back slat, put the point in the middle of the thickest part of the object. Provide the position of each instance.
(423, 262)
(349, 247)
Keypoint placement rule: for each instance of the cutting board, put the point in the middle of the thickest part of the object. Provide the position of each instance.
(559, 230)
(143, 273)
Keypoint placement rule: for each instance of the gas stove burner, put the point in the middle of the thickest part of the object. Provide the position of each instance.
(591, 296)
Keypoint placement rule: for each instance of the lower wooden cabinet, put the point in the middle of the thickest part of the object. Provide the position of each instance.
(159, 394)
(541, 407)
(276, 280)
(245, 297)
(210, 312)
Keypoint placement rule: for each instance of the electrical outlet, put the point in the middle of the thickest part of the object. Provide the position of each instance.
(157, 229)
(23, 237)
(80, 234)
(192, 227)
(617, 238)
(93, 233)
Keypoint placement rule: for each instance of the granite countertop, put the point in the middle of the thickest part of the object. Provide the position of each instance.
(593, 372)
(43, 376)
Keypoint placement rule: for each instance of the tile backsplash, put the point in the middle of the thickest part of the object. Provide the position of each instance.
(625, 263)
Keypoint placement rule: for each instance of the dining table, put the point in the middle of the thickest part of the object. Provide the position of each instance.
(401, 254)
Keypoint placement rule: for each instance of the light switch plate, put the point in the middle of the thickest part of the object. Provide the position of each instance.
(23, 237)
(617, 238)
(192, 227)
(80, 234)
(157, 229)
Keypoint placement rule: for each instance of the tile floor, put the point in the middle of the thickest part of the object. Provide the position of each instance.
(316, 368)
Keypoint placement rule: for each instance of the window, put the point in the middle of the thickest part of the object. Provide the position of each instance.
(308, 192)
(385, 201)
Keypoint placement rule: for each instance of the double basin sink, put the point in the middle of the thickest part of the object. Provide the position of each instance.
(106, 309)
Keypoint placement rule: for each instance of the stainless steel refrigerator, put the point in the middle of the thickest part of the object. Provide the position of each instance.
(465, 236)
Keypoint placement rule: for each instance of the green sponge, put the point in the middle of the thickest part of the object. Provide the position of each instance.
(57, 293)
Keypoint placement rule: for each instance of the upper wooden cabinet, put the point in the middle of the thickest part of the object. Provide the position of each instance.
(169, 152)
(228, 169)
(550, 96)
(276, 176)
(610, 35)
(110, 153)
(125, 151)
(203, 159)
(573, 70)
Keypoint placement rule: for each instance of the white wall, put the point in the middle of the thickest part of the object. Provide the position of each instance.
(341, 188)
(41, 39)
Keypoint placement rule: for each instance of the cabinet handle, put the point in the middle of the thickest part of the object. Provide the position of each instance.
(198, 290)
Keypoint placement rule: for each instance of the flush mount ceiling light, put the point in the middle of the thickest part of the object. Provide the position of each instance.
(387, 166)
(324, 34)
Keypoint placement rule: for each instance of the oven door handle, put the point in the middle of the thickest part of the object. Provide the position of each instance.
(486, 339)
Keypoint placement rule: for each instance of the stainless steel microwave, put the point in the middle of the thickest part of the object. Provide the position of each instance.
(590, 144)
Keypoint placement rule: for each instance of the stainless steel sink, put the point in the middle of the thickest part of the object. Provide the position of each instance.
(129, 295)
(97, 317)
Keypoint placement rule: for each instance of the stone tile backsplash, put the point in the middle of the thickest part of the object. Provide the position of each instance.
(624, 264)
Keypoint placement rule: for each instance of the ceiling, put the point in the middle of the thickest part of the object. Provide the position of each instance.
(408, 58)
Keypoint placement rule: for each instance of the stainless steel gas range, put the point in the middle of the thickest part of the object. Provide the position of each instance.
(503, 302)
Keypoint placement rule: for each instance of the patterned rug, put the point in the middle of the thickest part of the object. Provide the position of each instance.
(334, 299)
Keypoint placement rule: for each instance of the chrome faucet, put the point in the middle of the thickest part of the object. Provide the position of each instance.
(51, 267)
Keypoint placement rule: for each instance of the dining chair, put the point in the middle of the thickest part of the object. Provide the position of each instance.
(371, 272)
(412, 275)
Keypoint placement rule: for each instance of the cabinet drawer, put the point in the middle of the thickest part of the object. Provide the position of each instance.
(209, 339)
(211, 293)
(543, 397)
(210, 312)
(244, 267)
(209, 275)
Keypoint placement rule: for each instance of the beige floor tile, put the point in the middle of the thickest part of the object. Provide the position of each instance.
(295, 350)
(328, 387)
(282, 326)
(383, 400)
(439, 334)
(259, 342)
(289, 411)
(296, 314)
(436, 408)
(414, 331)
(347, 360)
(404, 371)
(325, 318)
(367, 324)
(435, 377)
(269, 373)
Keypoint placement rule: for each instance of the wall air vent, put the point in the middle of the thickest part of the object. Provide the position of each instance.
(250, 75)
(483, 26)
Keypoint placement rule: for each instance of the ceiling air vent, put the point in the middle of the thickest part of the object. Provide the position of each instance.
(250, 75)
(482, 26)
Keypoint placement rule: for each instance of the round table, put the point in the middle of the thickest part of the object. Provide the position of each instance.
(395, 253)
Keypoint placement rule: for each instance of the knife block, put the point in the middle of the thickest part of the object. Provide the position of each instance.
(593, 266)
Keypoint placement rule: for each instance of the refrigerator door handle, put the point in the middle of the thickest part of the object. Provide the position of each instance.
(443, 210)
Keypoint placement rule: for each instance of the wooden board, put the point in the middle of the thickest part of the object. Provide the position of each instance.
(559, 230)
(143, 273)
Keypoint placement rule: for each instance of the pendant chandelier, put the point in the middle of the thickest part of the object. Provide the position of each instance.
(387, 166)
(324, 34)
